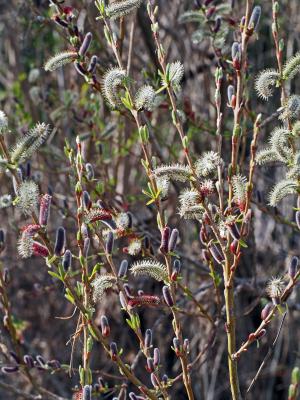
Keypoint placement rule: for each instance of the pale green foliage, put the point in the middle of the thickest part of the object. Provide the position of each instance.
(176, 172)
(207, 164)
(281, 190)
(266, 82)
(145, 98)
(60, 59)
(28, 196)
(292, 67)
(100, 284)
(28, 144)
(119, 9)
(113, 80)
(151, 268)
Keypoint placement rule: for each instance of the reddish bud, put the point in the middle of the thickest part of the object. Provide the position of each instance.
(105, 328)
(44, 209)
(266, 311)
(164, 245)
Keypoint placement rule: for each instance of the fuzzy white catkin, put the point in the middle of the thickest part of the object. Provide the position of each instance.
(3, 122)
(28, 197)
(119, 9)
(150, 268)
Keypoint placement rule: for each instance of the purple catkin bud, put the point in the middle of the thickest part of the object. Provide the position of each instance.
(248, 216)
(105, 328)
(2, 239)
(186, 346)
(60, 241)
(297, 218)
(243, 21)
(67, 260)
(235, 51)
(210, 12)
(84, 231)
(54, 364)
(293, 267)
(129, 220)
(87, 393)
(113, 351)
(202, 235)
(258, 196)
(44, 209)
(150, 365)
(6, 276)
(176, 270)
(176, 345)
(10, 370)
(261, 334)
(86, 247)
(230, 93)
(146, 242)
(154, 380)
(123, 269)
(217, 26)
(60, 22)
(109, 243)
(215, 252)
(127, 290)
(254, 19)
(89, 171)
(167, 296)
(15, 357)
(101, 382)
(28, 360)
(266, 311)
(164, 379)
(85, 44)
(156, 357)
(234, 231)
(41, 360)
(86, 199)
(79, 68)
(234, 246)
(148, 338)
(92, 65)
(173, 240)
(165, 240)
(122, 300)
(205, 255)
